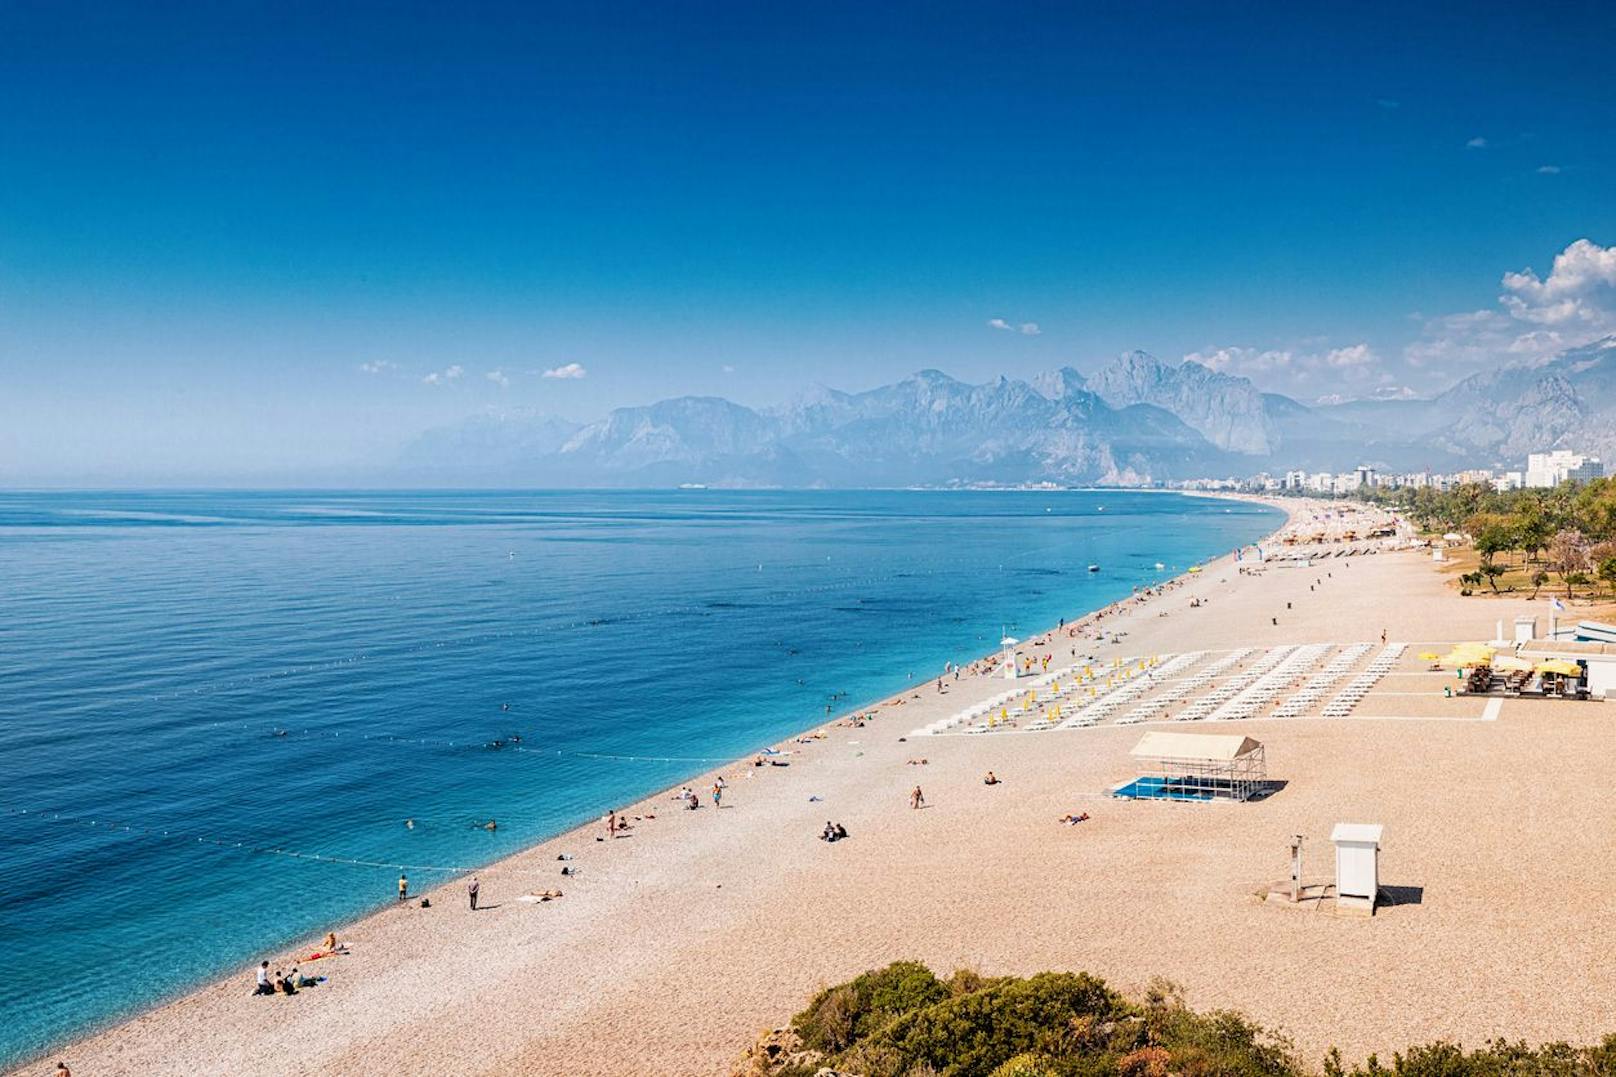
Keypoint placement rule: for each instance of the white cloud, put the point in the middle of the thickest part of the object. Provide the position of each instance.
(1580, 289)
(443, 377)
(377, 366)
(1266, 365)
(1026, 329)
(1548, 170)
(569, 371)
(1477, 143)
(1356, 355)
(1540, 316)
(499, 378)
(1243, 361)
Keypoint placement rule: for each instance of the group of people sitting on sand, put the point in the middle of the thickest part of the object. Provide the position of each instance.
(832, 831)
(283, 983)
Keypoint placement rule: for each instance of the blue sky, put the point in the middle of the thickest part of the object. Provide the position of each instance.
(240, 241)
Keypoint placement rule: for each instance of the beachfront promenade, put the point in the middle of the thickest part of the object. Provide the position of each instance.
(680, 940)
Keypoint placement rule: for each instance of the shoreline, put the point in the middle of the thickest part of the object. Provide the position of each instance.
(741, 906)
(438, 891)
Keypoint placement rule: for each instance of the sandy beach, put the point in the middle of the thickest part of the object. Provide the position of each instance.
(682, 939)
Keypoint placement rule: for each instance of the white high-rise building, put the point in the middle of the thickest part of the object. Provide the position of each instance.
(1550, 469)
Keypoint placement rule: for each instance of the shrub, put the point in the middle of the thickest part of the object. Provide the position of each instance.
(978, 1032)
(1028, 1065)
(840, 1016)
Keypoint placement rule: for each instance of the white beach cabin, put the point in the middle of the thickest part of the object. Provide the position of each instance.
(1357, 866)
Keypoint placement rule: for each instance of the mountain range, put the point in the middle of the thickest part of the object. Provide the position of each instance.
(1137, 420)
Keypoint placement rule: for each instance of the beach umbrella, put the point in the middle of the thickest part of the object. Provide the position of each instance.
(1510, 664)
(1429, 656)
(1561, 666)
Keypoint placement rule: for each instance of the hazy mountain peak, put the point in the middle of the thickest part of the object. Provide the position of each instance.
(1059, 384)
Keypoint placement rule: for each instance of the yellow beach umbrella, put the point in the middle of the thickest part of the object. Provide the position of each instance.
(1561, 666)
(1508, 663)
(1429, 656)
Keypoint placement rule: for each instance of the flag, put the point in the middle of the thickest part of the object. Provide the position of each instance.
(1557, 605)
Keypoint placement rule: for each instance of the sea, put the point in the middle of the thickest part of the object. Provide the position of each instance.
(218, 710)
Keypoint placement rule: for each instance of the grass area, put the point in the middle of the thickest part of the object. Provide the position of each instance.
(1589, 600)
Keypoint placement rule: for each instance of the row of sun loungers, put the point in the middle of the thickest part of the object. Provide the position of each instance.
(1315, 687)
(1341, 706)
(1063, 699)
(1266, 687)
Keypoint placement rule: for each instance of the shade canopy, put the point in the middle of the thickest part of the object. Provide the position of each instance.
(1508, 663)
(1193, 746)
(1562, 666)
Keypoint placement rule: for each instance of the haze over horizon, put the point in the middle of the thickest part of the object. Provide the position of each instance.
(245, 244)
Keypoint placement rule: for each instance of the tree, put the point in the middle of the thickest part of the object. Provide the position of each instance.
(1568, 556)
(1533, 528)
(1491, 533)
(1605, 569)
(1539, 578)
(1492, 572)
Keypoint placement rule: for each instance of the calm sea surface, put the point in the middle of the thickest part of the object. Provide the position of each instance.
(304, 671)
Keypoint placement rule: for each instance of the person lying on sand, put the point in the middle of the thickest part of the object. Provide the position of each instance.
(544, 895)
(1073, 820)
(916, 763)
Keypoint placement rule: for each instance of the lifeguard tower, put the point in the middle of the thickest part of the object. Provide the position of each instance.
(1008, 643)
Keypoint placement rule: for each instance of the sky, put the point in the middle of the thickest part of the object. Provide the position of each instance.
(254, 240)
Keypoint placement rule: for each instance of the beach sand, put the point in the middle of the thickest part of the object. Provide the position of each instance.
(678, 943)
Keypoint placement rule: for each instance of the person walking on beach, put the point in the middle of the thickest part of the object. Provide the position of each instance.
(403, 887)
(917, 798)
(718, 795)
(611, 823)
(471, 892)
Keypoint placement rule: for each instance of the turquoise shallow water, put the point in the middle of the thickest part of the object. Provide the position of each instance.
(151, 645)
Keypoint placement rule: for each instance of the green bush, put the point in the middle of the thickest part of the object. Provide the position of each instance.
(1499, 1058)
(1028, 1065)
(977, 1032)
(902, 1021)
(839, 1017)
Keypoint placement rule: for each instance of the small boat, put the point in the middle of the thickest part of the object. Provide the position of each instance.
(1160, 566)
(1094, 568)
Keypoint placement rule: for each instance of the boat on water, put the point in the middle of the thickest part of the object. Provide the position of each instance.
(1160, 566)
(1094, 568)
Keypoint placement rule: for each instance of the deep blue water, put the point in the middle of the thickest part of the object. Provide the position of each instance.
(151, 645)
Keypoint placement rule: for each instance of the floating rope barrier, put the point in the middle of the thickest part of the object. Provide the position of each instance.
(500, 744)
(265, 850)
